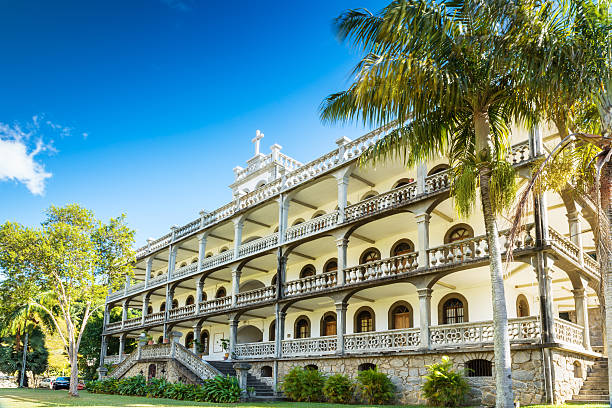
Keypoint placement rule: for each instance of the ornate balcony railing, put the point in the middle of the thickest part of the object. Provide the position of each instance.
(158, 279)
(313, 226)
(134, 322)
(256, 295)
(258, 245)
(520, 153)
(381, 269)
(113, 359)
(216, 304)
(390, 340)
(437, 182)
(524, 329)
(217, 260)
(568, 332)
(314, 346)
(381, 202)
(113, 326)
(572, 250)
(182, 311)
(185, 270)
(154, 317)
(310, 284)
(255, 350)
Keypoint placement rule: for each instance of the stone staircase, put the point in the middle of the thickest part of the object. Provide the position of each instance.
(595, 388)
(262, 391)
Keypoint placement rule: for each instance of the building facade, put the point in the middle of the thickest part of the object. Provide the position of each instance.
(344, 267)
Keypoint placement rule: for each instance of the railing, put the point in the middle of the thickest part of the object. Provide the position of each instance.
(572, 250)
(187, 229)
(313, 226)
(216, 260)
(136, 321)
(183, 311)
(201, 368)
(381, 202)
(254, 350)
(437, 182)
(391, 340)
(568, 332)
(124, 365)
(158, 279)
(256, 295)
(258, 245)
(590, 263)
(185, 270)
(524, 329)
(113, 326)
(310, 284)
(216, 304)
(519, 153)
(154, 317)
(261, 194)
(113, 359)
(381, 269)
(314, 346)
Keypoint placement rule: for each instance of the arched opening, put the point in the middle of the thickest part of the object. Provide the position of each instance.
(160, 339)
(458, 232)
(162, 307)
(313, 367)
(204, 297)
(224, 249)
(204, 342)
(274, 279)
(220, 293)
(251, 285)
(318, 214)
(149, 309)
(331, 265)
(328, 324)
(190, 300)
(266, 372)
(522, 306)
(272, 331)
(479, 367)
(577, 369)
(189, 340)
(402, 182)
(364, 320)
(402, 247)
(208, 255)
(453, 308)
(302, 327)
(260, 183)
(297, 222)
(369, 194)
(175, 303)
(308, 270)
(183, 264)
(152, 371)
(194, 260)
(366, 367)
(438, 169)
(369, 255)
(400, 315)
(249, 334)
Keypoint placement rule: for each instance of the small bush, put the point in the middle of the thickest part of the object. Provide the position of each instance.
(375, 387)
(222, 389)
(443, 386)
(156, 388)
(303, 385)
(338, 389)
(133, 386)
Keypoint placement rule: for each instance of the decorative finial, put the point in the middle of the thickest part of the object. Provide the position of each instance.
(258, 136)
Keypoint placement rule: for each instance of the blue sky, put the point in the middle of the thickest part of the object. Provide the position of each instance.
(144, 107)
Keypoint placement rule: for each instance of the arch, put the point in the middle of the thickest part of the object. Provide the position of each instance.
(221, 292)
(149, 309)
(249, 239)
(331, 265)
(458, 232)
(366, 366)
(160, 339)
(301, 327)
(577, 369)
(522, 306)
(328, 324)
(251, 285)
(276, 229)
(369, 255)
(224, 249)
(453, 308)
(308, 270)
(438, 169)
(204, 342)
(402, 247)
(318, 214)
(162, 307)
(249, 334)
(174, 303)
(151, 371)
(204, 297)
(369, 194)
(260, 183)
(209, 254)
(298, 221)
(479, 367)
(190, 300)
(189, 339)
(400, 316)
(274, 280)
(272, 331)
(266, 371)
(364, 320)
(194, 260)
(402, 182)
(313, 367)
(183, 264)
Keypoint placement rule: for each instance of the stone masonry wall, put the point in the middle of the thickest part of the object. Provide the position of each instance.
(570, 370)
(168, 369)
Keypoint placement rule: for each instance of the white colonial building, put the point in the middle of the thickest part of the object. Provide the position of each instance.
(340, 267)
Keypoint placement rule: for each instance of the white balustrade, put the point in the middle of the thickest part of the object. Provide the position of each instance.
(258, 245)
(313, 226)
(183, 311)
(382, 202)
(590, 263)
(255, 350)
(185, 270)
(568, 332)
(113, 359)
(314, 346)
(187, 229)
(158, 279)
(519, 153)
(155, 317)
(261, 194)
(390, 340)
(113, 326)
(310, 284)
(381, 269)
(437, 182)
(198, 366)
(524, 329)
(217, 260)
(124, 365)
(136, 321)
(256, 295)
(215, 304)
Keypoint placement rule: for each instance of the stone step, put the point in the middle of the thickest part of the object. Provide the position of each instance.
(588, 397)
(582, 402)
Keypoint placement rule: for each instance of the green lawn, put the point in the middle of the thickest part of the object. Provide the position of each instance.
(40, 398)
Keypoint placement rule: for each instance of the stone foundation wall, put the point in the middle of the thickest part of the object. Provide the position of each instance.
(570, 371)
(255, 371)
(171, 370)
(596, 327)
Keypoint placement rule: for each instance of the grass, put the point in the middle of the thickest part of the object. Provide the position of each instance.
(42, 398)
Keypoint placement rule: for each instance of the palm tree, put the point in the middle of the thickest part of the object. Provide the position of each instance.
(448, 76)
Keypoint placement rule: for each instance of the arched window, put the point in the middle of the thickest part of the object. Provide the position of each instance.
(204, 342)
(366, 367)
(369, 194)
(331, 265)
(224, 249)
(438, 169)
(174, 303)
(220, 293)
(479, 368)
(402, 182)
(453, 309)
(274, 278)
(308, 270)
(369, 255)
(208, 255)
(577, 369)
(297, 222)
(318, 214)
(522, 306)
(152, 371)
(189, 340)
(194, 260)
(266, 371)
(160, 339)
(458, 233)
(400, 315)
(313, 367)
(149, 309)
(183, 264)
(328, 324)
(190, 300)
(302, 328)
(272, 331)
(204, 297)
(364, 320)
(162, 307)
(402, 247)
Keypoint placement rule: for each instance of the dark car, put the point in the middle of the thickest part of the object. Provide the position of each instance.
(61, 383)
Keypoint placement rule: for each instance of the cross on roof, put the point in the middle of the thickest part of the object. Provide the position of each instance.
(256, 139)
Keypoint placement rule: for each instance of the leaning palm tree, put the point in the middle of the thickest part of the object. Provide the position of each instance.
(444, 75)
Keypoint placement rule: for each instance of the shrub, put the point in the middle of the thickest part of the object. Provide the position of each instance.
(303, 385)
(156, 388)
(375, 387)
(222, 389)
(443, 386)
(338, 389)
(132, 386)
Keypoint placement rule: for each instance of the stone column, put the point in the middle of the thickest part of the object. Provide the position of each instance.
(342, 142)
(242, 372)
(421, 178)
(124, 312)
(199, 293)
(197, 337)
(107, 309)
(238, 225)
(280, 331)
(342, 244)
(149, 262)
(425, 315)
(201, 248)
(280, 273)
(422, 220)
(103, 350)
(128, 282)
(582, 315)
(172, 261)
(283, 215)
(169, 299)
(343, 181)
(575, 230)
(233, 340)
(176, 338)
(340, 326)
(145, 306)
(121, 346)
(235, 285)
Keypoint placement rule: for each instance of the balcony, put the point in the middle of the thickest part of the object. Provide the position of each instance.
(310, 347)
(381, 269)
(256, 296)
(254, 350)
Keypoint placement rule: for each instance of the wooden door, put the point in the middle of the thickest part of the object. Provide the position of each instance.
(401, 320)
(330, 328)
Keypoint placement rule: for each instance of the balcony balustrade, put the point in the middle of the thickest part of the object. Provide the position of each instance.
(311, 227)
(155, 317)
(258, 245)
(312, 346)
(381, 269)
(217, 260)
(310, 284)
(112, 359)
(158, 279)
(568, 332)
(255, 350)
(382, 202)
(185, 270)
(390, 340)
(256, 295)
(113, 326)
(524, 329)
(437, 182)
(134, 322)
(183, 311)
(216, 304)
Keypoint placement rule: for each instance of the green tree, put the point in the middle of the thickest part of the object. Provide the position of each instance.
(11, 354)
(72, 255)
(446, 78)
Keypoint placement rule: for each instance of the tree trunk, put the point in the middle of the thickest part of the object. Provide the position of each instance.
(606, 270)
(74, 371)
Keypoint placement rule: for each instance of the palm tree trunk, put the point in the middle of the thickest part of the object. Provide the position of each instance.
(74, 370)
(606, 270)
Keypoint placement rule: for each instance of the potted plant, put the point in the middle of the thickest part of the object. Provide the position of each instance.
(225, 347)
(148, 338)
